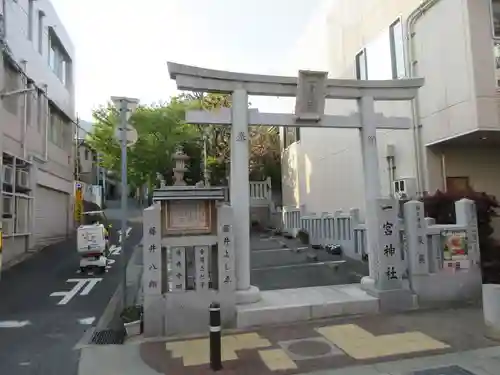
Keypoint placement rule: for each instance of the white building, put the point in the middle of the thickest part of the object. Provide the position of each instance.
(37, 113)
(455, 139)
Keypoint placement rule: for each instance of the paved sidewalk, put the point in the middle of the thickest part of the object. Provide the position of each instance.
(399, 344)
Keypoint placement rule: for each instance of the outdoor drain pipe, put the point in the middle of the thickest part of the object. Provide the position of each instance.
(410, 68)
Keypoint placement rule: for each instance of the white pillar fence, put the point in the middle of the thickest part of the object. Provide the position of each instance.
(420, 238)
(260, 190)
(260, 193)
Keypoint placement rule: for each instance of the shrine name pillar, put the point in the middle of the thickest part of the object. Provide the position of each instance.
(385, 279)
(240, 196)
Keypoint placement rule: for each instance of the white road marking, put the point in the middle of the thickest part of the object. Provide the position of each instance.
(299, 265)
(110, 262)
(127, 233)
(115, 250)
(14, 323)
(87, 321)
(90, 284)
(85, 284)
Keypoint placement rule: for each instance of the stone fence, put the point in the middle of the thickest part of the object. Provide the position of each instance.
(434, 273)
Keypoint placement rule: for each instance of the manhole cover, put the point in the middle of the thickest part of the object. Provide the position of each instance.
(310, 348)
(448, 370)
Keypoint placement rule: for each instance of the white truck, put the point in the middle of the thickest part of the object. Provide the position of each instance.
(93, 241)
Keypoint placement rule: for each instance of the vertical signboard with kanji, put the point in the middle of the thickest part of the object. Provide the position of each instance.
(78, 202)
(391, 272)
(225, 245)
(416, 237)
(152, 278)
(201, 264)
(178, 268)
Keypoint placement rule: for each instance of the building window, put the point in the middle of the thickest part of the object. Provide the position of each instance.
(457, 185)
(397, 50)
(361, 65)
(60, 130)
(30, 18)
(59, 61)
(41, 34)
(12, 83)
(87, 156)
(16, 196)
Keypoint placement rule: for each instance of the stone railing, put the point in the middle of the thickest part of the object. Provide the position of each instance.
(260, 193)
(422, 245)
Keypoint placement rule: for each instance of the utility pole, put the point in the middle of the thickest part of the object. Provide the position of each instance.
(126, 107)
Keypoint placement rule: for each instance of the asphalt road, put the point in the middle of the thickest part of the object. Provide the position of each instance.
(48, 327)
(276, 267)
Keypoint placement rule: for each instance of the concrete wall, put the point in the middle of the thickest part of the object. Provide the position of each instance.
(33, 48)
(16, 15)
(459, 96)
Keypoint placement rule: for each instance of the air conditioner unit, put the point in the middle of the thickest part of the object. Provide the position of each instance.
(7, 174)
(22, 179)
(8, 206)
(405, 188)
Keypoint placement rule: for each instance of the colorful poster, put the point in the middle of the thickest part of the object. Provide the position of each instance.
(455, 246)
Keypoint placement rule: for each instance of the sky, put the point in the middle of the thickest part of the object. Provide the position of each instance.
(122, 46)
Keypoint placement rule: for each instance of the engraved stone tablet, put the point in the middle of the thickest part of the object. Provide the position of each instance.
(188, 216)
(310, 102)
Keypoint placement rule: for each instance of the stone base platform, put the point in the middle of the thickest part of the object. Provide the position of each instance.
(292, 305)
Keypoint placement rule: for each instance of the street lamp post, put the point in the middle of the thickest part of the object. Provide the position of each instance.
(126, 107)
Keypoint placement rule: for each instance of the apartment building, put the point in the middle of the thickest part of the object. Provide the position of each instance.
(37, 113)
(454, 141)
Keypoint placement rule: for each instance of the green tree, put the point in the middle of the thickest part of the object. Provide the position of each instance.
(160, 129)
(265, 153)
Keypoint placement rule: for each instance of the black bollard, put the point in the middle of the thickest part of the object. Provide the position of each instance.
(215, 337)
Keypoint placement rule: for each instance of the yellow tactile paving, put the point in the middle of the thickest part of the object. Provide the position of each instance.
(277, 359)
(361, 344)
(246, 341)
(196, 352)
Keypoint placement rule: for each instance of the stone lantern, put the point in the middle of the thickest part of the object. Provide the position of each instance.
(180, 159)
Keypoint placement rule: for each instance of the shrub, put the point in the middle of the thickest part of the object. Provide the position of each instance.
(441, 207)
(132, 313)
(303, 237)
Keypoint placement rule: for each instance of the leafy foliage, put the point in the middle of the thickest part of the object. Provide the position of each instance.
(161, 128)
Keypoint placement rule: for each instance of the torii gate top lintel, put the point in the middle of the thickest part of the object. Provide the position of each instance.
(195, 78)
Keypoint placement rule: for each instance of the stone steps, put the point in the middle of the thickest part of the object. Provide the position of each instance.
(302, 304)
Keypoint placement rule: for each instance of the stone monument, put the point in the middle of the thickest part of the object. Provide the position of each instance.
(196, 266)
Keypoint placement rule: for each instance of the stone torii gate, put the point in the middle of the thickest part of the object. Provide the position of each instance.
(311, 90)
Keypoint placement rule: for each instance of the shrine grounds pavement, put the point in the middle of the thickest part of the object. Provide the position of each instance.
(280, 263)
(431, 342)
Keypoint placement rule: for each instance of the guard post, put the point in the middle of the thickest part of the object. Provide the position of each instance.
(215, 337)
